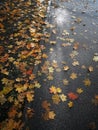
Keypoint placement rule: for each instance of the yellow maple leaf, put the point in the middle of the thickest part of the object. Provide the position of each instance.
(56, 99)
(65, 82)
(51, 69)
(53, 89)
(30, 96)
(50, 77)
(51, 115)
(73, 76)
(59, 90)
(70, 104)
(37, 85)
(2, 99)
(10, 99)
(63, 97)
(87, 82)
(79, 90)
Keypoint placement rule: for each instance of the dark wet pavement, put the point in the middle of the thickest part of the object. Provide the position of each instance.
(71, 23)
(71, 41)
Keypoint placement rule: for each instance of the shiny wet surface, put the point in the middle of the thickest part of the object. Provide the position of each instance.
(77, 21)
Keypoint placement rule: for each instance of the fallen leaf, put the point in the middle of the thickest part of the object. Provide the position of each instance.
(95, 58)
(51, 69)
(73, 96)
(46, 105)
(79, 90)
(66, 68)
(30, 96)
(87, 82)
(56, 99)
(59, 90)
(90, 69)
(54, 31)
(76, 46)
(30, 112)
(53, 89)
(53, 42)
(65, 82)
(63, 97)
(51, 115)
(75, 63)
(73, 76)
(70, 104)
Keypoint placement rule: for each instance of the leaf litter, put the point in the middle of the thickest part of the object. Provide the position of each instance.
(23, 52)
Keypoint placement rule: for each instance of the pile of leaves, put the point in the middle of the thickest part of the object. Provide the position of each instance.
(21, 25)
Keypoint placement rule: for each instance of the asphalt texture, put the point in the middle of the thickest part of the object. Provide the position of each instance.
(72, 27)
(80, 19)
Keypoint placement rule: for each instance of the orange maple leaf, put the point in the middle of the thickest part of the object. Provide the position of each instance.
(53, 90)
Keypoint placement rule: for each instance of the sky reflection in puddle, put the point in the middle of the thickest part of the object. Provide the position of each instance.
(61, 16)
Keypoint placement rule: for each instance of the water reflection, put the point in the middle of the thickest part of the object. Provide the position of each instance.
(61, 16)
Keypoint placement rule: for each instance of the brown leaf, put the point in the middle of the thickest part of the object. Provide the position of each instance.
(76, 46)
(46, 105)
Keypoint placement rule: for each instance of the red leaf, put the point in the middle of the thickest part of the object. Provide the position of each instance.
(72, 95)
(29, 72)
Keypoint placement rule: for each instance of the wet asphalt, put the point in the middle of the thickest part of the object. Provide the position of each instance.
(80, 20)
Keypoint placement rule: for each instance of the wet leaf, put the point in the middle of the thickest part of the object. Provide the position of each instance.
(51, 115)
(95, 58)
(70, 104)
(73, 76)
(79, 90)
(46, 105)
(76, 46)
(30, 112)
(30, 96)
(63, 97)
(66, 68)
(53, 89)
(56, 99)
(65, 82)
(73, 96)
(87, 82)
(75, 63)
(90, 69)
